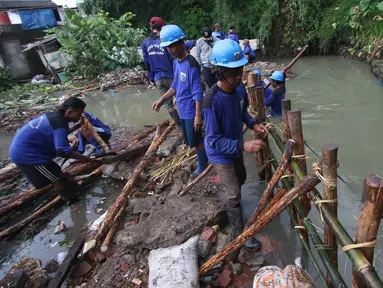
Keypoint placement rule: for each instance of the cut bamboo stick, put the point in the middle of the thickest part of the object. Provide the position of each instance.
(358, 260)
(145, 133)
(90, 127)
(196, 180)
(268, 215)
(266, 195)
(109, 236)
(368, 224)
(329, 166)
(122, 199)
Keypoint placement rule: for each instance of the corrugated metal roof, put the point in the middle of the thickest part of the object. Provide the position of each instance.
(6, 4)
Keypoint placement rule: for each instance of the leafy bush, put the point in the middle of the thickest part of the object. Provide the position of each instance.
(100, 43)
(6, 79)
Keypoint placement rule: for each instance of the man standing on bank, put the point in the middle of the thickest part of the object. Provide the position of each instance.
(225, 111)
(187, 87)
(203, 47)
(159, 65)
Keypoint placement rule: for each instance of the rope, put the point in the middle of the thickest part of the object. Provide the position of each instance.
(319, 203)
(287, 176)
(359, 245)
(264, 165)
(270, 124)
(300, 157)
(300, 227)
(331, 183)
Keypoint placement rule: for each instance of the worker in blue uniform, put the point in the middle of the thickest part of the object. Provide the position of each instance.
(232, 34)
(159, 65)
(187, 86)
(225, 110)
(218, 32)
(248, 51)
(273, 101)
(44, 138)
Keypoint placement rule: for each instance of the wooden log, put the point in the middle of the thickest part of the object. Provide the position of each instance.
(252, 79)
(122, 199)
(371, 211)
(132, 151)
(268, 215)
(109, 236)
(20, 200)
(329, 166)
(29, 219)
(10, 171)
(272, 183)
(291, 63)
(64, 269)
(295, 124)
(360, 263)
(145, 133)
(90, 127)
(256, 101)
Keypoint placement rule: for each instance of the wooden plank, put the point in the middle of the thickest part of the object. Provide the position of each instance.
(63, 271)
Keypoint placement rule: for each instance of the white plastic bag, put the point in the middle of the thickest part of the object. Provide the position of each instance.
(175, 267)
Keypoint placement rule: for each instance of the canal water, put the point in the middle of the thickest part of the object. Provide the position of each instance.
(341, 103)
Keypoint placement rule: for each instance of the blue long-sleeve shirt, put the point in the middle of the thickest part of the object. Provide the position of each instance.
(224, 116)
(97, 123)
(248, 51)
(158, 61)
(233, 36)
(219, 34)
(188, 85)
(41, 140)
(273, 100)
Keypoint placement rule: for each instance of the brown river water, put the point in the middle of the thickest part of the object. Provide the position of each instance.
(341, 103)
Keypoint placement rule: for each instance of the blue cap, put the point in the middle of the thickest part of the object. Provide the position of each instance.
(258, 72)
(278, 76)
(227, 53)
(170, 34)
(189, 45)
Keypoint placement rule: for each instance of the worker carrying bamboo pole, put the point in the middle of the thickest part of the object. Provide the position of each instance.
(42, 139)
(225, 111)
(159, 65)
(187, 86)
(85, 135)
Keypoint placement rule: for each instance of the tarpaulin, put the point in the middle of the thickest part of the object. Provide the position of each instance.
(37, 19)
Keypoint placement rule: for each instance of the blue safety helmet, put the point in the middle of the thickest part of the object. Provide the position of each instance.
(170, 34)
(227, 53)
(278, 76)
(258, 72)
(189, 45)
(216, 34)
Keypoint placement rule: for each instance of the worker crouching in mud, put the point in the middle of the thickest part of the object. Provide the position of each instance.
(85, 136)
(225, 111)
(187, 87)
(44, 138)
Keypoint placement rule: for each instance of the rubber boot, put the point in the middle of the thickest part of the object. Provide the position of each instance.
(176, 118)
(234, 216)
(99, 151)
(202, 163)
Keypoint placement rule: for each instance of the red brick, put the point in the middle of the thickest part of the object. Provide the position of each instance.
(225, 278)
(209, 234)
(124, 267)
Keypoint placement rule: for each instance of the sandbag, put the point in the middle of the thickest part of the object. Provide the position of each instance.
(175, 267)
(290, 277)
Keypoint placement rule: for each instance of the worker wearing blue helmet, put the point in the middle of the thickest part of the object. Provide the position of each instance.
(187, 86)
(274, 100)
(267, 92)
(225, 111)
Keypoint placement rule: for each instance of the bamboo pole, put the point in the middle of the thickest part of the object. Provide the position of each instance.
(314, 236)
(329, 166)
(358, 260)
(291, 63)
(252, 79)
(368, 224)
(266, 195)
(145, 133)
(122, 199)
(295, 125)
(268, 215)
(90, 127)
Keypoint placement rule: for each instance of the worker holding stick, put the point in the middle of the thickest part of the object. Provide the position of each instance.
(44, 138)
(225, 111)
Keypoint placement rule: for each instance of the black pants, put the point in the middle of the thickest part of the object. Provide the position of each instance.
(209, 77)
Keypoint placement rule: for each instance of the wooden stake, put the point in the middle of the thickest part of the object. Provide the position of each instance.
(286, 157)
(196, 180)
(371, 211)
(122, 199)
(90, 127)
(252, 79)
(295, 124)
(268, 215)
(109, 236)
(329, 166)
(145, 133)
(257, 106)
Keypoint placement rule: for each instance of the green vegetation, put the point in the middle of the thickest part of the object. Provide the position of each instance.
(6, 79)
(100, 43)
